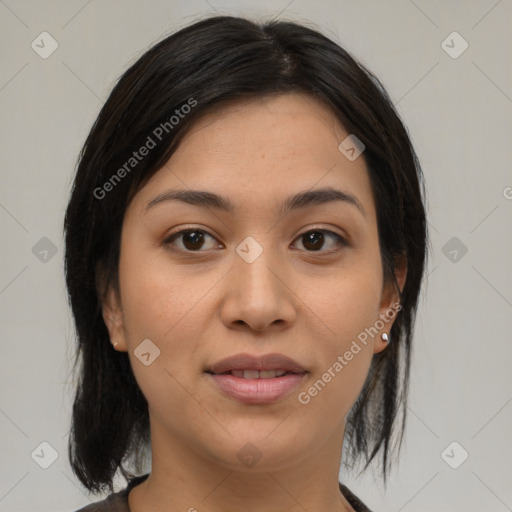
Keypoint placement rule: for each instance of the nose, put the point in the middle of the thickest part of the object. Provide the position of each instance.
(258, 294)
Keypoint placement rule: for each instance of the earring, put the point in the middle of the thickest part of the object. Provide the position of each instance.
(385, 337)
(115, 344)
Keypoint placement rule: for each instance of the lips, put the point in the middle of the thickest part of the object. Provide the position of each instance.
(257, 380)
(250, 364)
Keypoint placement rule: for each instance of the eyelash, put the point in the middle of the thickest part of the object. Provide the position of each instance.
(341, 241)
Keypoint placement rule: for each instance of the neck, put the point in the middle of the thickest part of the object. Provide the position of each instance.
(181, 479)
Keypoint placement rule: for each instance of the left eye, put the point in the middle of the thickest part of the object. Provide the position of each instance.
(316, 238)
(313, 240)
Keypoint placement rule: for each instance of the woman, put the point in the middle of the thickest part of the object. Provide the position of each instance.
(245, 245)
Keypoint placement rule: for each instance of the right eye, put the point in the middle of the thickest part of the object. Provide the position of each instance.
(192, 240)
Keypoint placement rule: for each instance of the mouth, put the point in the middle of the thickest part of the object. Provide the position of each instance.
(255, 374)
(260, 364)
(256, 380)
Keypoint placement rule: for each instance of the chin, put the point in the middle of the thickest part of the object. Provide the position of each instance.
(263, 449)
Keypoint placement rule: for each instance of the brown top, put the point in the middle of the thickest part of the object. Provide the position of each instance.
(118, 501)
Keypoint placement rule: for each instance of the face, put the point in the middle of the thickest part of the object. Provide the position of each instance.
(200, 283)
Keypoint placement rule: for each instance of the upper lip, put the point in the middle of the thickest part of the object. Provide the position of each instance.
(248, 362)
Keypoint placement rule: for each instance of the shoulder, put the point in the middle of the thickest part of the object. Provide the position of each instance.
(115, 502)
(354, 501)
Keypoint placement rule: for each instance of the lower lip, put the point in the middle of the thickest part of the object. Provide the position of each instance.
(258, 391)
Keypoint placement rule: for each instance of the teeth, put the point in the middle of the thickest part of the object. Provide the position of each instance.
(255, 374)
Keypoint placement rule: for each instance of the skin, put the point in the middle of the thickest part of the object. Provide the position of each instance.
(200, 307)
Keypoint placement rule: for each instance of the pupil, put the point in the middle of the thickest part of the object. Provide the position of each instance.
(311, 236)
(196, 239)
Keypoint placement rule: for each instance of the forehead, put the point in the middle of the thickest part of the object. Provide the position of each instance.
(258, 151)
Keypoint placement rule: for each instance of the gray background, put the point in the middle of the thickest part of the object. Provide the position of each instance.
(458, 111)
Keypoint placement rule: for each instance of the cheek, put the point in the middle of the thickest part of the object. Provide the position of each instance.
(349, 302)
(165, 303)
(343, 308)
(161, 305)
(153, 295)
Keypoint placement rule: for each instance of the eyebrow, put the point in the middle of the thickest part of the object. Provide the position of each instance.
(300, 200)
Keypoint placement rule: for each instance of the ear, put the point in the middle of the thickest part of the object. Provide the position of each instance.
(112, 313)
(390, 303)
